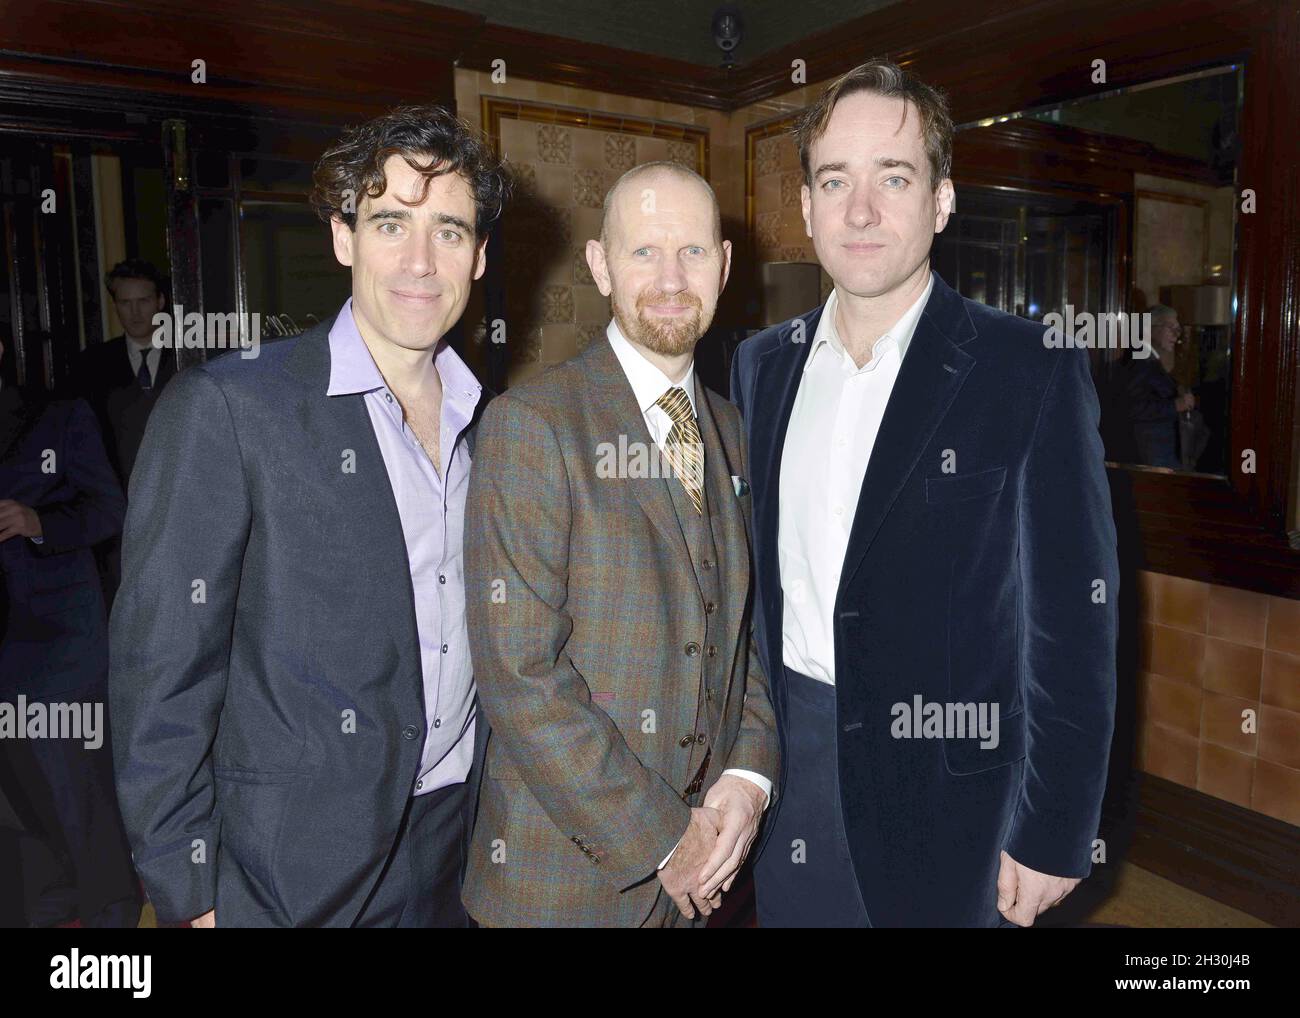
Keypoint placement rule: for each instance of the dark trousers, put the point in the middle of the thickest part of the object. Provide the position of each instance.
(804, 876)
(70, 848)
(420, 885)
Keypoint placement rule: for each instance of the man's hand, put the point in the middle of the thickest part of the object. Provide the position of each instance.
(207, 921)
(18, 520)
(680, 876)
(741, 803)
(1025, 894)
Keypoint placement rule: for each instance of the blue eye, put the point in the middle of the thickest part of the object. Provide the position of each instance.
(828, 185)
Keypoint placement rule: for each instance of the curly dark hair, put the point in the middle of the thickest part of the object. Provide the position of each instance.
(135, 268)
(432, 141)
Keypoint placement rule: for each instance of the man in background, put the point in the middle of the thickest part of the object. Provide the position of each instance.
(59, 823)
(122, 378)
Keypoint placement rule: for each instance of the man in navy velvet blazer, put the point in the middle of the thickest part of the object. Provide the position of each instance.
(935, 558)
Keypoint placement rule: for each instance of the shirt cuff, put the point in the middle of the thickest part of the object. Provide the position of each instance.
(670, 854)
(758, 779)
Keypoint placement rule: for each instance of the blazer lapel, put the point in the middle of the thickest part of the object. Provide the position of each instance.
(776, 384)
(932, 373)
(616, 410)
(342, 422)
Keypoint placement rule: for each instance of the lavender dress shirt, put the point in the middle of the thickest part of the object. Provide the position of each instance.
(432, 510)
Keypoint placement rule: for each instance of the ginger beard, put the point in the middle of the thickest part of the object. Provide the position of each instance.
(667, 335)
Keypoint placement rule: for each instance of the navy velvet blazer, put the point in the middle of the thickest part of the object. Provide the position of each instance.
(995, 583)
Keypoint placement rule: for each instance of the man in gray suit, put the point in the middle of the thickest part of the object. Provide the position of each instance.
(295, 741)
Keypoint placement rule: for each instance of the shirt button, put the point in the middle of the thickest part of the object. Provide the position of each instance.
(687, 740)
(841, 441)
(437, 722)
(419, 785)
(713, 651)
(444, 648)
(442, 578)
(707, 563)
(410, 732)
(388, 396)
(838, 510)
(709, 607)
(692, 649)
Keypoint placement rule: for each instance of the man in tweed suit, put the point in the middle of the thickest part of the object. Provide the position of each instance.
(633, 740)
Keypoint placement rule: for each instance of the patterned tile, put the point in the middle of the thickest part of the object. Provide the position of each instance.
(767, 154)
(685, 153)
(581, 270)
(769, 229)
(525, 176)
(620, 152)
(589, 332)
(554, 144)
(588, 190)
(790, 185)
(557, 304)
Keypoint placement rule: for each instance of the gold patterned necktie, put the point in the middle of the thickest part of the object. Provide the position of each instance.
(684, 448)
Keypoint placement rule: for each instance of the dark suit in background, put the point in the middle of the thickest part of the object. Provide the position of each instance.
(971, 586)
(104, 379)
(53, 648)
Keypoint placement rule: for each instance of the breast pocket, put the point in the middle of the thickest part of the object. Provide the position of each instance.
(964, 487)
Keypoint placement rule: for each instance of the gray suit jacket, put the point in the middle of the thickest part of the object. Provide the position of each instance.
(266, 695)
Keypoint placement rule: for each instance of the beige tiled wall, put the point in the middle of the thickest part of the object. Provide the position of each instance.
(563, 172)
(1219, 692)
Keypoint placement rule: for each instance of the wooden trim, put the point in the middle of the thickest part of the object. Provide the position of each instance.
(558, 61)
(1226, 852)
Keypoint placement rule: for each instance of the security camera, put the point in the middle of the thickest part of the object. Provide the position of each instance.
(727, 30)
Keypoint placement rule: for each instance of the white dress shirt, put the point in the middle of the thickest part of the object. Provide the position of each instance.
(134, 353)
(648, 384)
(828, 442)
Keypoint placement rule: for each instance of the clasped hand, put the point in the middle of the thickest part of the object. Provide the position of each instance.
(717, 840)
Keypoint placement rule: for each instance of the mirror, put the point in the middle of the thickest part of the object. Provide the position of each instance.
(1112, 219)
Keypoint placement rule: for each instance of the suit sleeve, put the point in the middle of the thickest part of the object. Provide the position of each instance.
(573, 758)
(169, 645)
(756, 747)
(1069, 576)
(97, 506)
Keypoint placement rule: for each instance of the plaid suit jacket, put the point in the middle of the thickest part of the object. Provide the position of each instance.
(581, 601)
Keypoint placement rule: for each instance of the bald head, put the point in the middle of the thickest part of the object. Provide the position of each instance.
(623, 199)
(661, 258)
